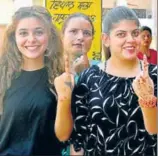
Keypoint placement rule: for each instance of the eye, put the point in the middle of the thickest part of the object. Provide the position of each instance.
(121, 34)
(23, 33)
(142, 36)
(135, 33)
(149, 36)
(87, 33)
(39, 32)
(73, 31)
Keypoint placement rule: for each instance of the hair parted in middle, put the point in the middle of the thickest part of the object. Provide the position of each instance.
(11, 59)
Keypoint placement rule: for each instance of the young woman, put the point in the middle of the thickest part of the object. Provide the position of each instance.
(114, 105)
(145, 41)
(32, 58)
(77, 37)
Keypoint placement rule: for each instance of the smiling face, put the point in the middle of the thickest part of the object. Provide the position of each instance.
(78, 36)
(31, 38)
(123, 39)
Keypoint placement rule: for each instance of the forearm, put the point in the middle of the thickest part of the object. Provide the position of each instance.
(150, 119)
(64, 121)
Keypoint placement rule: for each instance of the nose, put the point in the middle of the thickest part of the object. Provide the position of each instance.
(80, 35)
(131, 38)
(146, 37)
(31, 38)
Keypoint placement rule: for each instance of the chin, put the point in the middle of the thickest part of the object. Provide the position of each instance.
(131, 57)
(32, 56)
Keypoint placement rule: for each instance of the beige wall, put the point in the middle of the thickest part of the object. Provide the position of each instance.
(6, 11)
(38, 2)
(140, 4)
(137, 4)
(108, 3)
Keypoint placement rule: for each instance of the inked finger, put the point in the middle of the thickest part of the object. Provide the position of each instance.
(67, 66)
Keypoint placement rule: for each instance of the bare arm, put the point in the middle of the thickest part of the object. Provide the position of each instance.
(150, 119)
(144, 88)
(64, 122)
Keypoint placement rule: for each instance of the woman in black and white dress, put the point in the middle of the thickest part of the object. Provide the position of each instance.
(114, 103)
(108, 119)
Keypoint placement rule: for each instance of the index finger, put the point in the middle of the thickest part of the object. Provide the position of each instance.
(145, 66)
(67, 66)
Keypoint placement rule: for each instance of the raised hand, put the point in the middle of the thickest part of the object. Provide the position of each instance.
(65, 82)
(80, 64)
(143, 84)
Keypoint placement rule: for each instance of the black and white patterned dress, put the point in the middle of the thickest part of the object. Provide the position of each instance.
(107, 118)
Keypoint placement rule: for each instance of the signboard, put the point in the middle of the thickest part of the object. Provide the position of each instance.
(61, 9)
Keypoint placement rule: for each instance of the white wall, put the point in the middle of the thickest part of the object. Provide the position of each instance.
(6, 11)
(8, 7)
(22, 3)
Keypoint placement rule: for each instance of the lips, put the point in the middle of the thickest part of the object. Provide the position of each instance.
(146, 42)
(78, 44)
(130, 49)
(31, 48)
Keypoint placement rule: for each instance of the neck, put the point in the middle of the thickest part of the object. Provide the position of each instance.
(123, 68)
(145, 50)
(72, 58)
(122, 63)
(32, 64)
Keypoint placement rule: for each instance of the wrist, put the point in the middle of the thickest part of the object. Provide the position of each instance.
(146, 96)
(149, 101)
(64, 98)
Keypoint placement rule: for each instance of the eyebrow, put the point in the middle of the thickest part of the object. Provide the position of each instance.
(126, 31)
(37, 28)
(41, 28)
(80, 29)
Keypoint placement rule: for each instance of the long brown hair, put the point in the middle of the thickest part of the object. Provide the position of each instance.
(11, 58)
